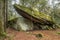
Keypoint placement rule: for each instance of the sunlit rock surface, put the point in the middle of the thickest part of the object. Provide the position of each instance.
(25, 24)
(21, 23)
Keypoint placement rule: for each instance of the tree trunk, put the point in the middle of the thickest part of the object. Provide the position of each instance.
(2, 17)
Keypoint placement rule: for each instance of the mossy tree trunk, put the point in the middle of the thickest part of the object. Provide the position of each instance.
(2, 17)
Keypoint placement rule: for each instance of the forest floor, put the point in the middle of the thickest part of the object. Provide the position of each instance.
(29, 35)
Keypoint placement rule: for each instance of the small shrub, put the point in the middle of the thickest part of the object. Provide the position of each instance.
(38, 35)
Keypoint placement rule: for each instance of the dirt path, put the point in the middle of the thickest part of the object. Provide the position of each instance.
(47, 35)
